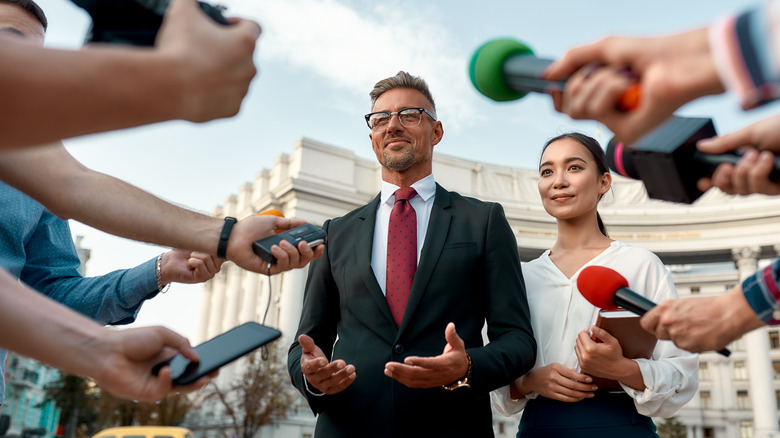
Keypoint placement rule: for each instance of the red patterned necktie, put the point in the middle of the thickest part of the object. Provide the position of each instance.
(401, 253)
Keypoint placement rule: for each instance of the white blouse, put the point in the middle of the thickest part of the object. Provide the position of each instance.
(559, 312)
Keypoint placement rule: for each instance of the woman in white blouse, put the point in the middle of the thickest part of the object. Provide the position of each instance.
(557, 396)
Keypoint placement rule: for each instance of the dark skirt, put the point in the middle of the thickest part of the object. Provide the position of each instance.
(605, 415)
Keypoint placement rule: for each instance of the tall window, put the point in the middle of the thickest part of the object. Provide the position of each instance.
(777, 397)
(745, 429)
(709, 432)
(706, 399)
(776, 368)
(704, 371)
(695, 290)
(743, 401)
(774, 339)
(740, 370)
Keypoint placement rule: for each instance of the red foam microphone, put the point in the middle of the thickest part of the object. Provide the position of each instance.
(605, 288)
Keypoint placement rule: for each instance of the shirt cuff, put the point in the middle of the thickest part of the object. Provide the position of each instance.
(311, 390)
(762, 292)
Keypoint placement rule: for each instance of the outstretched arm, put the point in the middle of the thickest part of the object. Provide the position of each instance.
(198, 71)
(119, 360)
(671, 71)
(71, 190)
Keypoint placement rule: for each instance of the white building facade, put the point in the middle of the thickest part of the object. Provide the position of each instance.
(709, 246)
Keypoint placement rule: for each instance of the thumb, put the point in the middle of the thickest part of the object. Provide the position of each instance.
(180, 7)
(452, 337)
(602, 334)
(307, 344)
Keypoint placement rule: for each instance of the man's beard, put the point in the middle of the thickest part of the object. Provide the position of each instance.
(396, 163)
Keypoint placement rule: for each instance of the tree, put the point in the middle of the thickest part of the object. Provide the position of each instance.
(77, 398)
(260, 393)
(672, 428)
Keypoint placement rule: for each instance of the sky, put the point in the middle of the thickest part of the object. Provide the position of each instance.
(318, 59)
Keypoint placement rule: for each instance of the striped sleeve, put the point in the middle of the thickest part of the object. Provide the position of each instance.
(746, 50)
(762, 291)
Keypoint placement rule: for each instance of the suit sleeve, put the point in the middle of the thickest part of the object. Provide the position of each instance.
(319, 318)
(511, 351)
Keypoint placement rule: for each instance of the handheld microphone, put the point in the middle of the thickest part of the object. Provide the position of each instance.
(605, 288)
(505, 69)
(667, 161)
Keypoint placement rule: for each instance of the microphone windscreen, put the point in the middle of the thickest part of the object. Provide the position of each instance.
(486, 68)
(619, 159)
(598, 284)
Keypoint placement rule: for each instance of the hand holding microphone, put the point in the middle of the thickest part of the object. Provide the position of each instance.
(506, 69)
(670, 165)
(605, 288)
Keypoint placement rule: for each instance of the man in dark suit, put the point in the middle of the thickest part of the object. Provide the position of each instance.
(390, 345)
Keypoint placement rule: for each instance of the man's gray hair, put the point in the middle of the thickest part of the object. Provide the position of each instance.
(402, 80)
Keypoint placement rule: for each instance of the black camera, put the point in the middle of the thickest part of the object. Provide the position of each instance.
(133, 22)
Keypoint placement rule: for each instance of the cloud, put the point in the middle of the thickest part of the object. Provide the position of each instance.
(353, 48)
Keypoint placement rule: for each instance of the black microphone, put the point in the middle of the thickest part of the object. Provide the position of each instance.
(606, 289)
(667, 161)
(505, 69)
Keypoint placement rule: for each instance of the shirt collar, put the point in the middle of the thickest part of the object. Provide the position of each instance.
(425, 188)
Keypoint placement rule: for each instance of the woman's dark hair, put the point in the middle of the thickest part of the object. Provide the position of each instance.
(32, 8)
(593, 146)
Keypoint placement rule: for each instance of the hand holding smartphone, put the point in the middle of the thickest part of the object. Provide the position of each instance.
(312, 234)
(219, 351)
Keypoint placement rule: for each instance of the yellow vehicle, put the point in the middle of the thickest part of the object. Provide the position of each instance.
(144, 432)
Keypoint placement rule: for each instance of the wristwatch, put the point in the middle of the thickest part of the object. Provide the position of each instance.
(463, 382)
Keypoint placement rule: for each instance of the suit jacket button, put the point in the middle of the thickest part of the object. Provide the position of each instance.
(398, 348)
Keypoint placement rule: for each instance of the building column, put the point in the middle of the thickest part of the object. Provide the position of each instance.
(249, 297)
(205, 310)
(216, 314)
(762, 394)
(291, 303)
(232, 296)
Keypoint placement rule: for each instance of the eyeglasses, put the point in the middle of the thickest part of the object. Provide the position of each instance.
(409, 117)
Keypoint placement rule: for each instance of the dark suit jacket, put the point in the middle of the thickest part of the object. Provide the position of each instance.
(469, 274)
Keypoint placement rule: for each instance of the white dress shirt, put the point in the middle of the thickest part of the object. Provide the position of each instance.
(559, 312)
(422, 204)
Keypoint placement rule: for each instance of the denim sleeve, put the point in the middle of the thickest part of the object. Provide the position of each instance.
(52, 269)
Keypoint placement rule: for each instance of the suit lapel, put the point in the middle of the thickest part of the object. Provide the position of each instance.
(435, 238)
(364, 235)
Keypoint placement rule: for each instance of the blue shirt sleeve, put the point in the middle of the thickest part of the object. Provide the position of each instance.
(52, 266)
(762, 292)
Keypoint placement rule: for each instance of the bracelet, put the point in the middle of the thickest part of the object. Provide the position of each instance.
(224, 236)
(460, 383)
(161, 288)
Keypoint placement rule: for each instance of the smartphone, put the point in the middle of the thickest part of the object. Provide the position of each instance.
(312, 234)
(219, 351)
